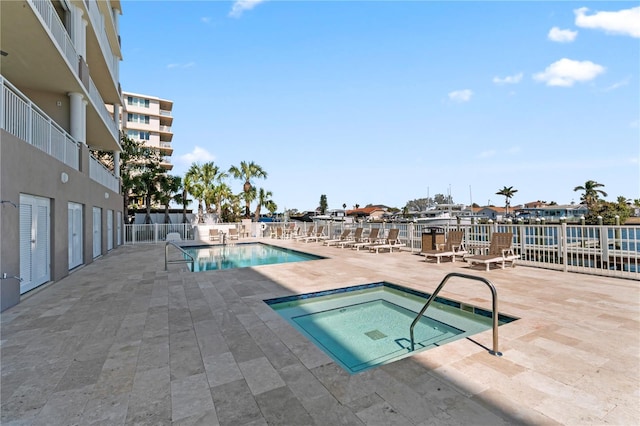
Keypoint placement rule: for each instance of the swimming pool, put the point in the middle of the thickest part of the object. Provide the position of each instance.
(364, 326)
(242, 255)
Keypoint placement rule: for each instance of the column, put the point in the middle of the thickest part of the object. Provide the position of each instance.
(116, 154)
(77, 123)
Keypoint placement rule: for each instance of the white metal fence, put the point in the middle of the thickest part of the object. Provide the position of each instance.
(102, 175)
(592, 249)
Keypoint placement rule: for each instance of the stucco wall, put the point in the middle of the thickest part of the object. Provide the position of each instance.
(25, 169)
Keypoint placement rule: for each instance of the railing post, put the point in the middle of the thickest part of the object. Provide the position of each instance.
(564, 246)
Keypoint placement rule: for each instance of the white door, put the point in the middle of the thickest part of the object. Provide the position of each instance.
(35, 229)
(109, 230)
(75, 234)
(97, 232)
(119, 228)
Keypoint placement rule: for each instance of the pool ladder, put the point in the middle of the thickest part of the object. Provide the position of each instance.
(494, 297)
(166, 256)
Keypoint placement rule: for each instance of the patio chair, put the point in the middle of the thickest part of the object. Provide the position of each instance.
(357, 238)
(500, 251)
(391, 242)
(214, 234)
(370, 240)
(304, 235)
(173, 236)
(453, 246)
(343, 237)
(233, 234)
(315, 236)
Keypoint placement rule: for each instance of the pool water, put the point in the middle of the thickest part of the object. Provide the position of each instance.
(362, 327)
(243, 255)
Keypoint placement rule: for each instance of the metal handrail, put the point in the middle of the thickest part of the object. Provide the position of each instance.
(494, 297)
(166, 256)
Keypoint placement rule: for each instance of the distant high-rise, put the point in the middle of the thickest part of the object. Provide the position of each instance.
(148, 119)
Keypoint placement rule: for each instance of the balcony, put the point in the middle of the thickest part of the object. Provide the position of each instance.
(24, 120)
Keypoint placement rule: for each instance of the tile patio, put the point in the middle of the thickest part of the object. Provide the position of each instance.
(121, 341)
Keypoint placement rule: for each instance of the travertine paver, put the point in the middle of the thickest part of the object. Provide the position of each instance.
(121, 341)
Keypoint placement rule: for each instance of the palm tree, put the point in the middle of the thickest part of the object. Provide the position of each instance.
(148, 186)
(591, 192)
(193, 185)
(211, 177)
(221, 193)
(168, 190)
(247, 172)
(264, 199)
(508, 192)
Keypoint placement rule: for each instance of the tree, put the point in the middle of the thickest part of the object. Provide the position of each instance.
(264, 200)
(194, 186)
(508, 192)
(323, 204)
(211, 177)
(442, 199)
(247, 172)
(133, 158)
(168, 190)
(147, 185)
(608, 212)
(591, 193)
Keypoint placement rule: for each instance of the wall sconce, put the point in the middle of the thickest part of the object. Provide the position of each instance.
(64, 178)
(106, 195)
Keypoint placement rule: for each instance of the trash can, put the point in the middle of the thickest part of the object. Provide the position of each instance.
(431, 238)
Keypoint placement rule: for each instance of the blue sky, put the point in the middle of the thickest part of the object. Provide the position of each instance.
(387, 101)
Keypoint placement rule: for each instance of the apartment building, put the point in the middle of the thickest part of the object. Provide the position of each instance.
(60, 208)
(148, 119)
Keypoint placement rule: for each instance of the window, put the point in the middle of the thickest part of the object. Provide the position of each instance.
(132, 100)
(137, 118)
(138, 135)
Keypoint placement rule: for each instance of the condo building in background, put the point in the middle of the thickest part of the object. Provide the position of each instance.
(148, 119)
(60, 208)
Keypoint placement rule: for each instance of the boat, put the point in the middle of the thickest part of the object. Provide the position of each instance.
(441, 215)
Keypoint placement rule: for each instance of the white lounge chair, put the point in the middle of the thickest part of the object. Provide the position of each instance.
(500, 251)
(343, 237)
(453, 246)
(391, 242)
(370, 240)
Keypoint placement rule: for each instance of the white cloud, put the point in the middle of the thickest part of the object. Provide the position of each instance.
(178, 65)
(198, 155)
(487, 154)
(461, 95)
(561, 36)
(623, 22)
(510, 79)
(617, 85)
(566, 72)
(239, 6)
(206, 19)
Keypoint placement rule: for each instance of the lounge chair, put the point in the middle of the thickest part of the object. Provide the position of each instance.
(214, 234)
(233, 234)
(343, 237)
(302, 236)
(391, 242)
(500, 251)
(357, 238)
(173, 236)
(315, 236)
(370, 240)
(453, 246)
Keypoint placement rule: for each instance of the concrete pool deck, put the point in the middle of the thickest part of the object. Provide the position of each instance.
(121, 341)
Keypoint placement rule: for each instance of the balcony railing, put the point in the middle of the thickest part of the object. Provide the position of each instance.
(99, 173)
(48, 14)
(52, 21)
(166, 129)
(24, 120)
(97, 21)
(165, 113)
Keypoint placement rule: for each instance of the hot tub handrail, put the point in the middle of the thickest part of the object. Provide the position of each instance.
(494, 297)
(166, 256)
